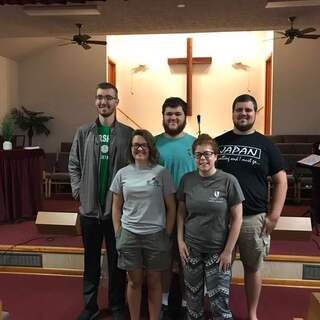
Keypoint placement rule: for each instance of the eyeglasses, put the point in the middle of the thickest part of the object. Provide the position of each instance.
(206, 154)
(100, 97)
(143, 146)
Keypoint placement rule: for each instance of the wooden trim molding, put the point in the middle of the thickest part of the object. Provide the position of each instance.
(283, 282)
(41, 271)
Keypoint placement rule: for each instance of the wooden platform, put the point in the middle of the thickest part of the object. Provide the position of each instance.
(293, 228)
(314, 307)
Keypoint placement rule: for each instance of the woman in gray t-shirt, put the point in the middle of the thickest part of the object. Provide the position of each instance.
(143, 214)
(209, 221)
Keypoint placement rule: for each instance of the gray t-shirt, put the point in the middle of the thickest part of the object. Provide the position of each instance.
(208, 201)
(143, 191)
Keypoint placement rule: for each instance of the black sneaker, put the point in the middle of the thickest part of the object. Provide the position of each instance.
(119, 314)
(164, 313)
(88, 314)
(183, 313)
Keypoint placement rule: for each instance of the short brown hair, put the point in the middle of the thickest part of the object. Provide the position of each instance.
(205, 139)
(245, 98)
(107, 85)
(153, 151)
(175, 102)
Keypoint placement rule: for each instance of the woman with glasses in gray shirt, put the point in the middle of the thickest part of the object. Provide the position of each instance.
(209, 221)
(143, 214)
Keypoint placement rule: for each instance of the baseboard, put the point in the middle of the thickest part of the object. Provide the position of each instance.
(41, 271)
(43, 249)
(315, 284)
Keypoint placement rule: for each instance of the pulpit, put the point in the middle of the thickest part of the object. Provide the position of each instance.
(20, 183)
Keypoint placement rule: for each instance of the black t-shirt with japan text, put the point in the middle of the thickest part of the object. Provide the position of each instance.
(251, 159)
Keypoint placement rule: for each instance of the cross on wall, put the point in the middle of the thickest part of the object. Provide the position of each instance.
(189, 61)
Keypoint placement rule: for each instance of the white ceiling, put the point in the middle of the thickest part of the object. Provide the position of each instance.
(147, 16)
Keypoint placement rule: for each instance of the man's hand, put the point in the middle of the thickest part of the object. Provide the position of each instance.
(269, 224)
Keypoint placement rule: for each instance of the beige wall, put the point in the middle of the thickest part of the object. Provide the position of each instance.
(61, 82)
(296, 94)
(8, 85)
(214, 86)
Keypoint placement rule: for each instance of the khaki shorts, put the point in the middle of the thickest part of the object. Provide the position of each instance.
(252, 243)
(148, 251)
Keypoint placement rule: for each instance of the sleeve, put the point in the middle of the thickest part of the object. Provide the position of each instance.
(234, 192)
(180, 195)
(116, 185)
(167, 183)
(276, 162)
(74, 165)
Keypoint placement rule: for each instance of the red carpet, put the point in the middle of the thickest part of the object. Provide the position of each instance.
(62, 204)
(24, 231)
(296, 248)
(295, 211)
(31, 297)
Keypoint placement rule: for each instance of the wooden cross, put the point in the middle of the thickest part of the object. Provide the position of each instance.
(189, 61)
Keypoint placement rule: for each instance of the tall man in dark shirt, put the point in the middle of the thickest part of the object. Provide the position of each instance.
(98, 151)
(252, 157)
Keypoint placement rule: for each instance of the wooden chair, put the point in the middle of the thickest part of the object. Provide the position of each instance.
(49, 168)
(60, 176)
(65, 146)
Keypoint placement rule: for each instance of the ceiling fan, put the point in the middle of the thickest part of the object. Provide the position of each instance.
(293, 33)
(83, 39)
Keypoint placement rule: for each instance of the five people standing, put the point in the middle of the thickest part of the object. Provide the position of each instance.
(133, 207)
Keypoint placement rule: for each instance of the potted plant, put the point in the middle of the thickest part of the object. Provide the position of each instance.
(31, 121)
(7, 131)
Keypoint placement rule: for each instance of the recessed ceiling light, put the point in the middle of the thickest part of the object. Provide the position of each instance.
(292, 3)
(181, 5)
(58, 10)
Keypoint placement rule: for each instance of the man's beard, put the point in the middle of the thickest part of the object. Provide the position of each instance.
(243, 128)
(174, 132)
(107, 113)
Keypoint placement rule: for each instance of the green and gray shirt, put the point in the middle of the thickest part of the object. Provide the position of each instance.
(104, 135)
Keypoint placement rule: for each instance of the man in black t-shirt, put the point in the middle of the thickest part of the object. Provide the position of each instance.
(252, 157)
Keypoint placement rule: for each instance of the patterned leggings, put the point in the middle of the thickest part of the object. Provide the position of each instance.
(202, 267)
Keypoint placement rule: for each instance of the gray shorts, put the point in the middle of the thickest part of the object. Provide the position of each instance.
(148, 251)
(253, 244)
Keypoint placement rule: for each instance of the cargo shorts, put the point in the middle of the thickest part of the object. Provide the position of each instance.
(253, 244)
(143, 251)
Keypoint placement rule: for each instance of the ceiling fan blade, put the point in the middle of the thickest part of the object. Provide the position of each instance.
(280, 32)
(61, 38)
(289, 40)
(97, 42)
(276, 38)
(85, 37)
(85, 46)
(307, 30)
(65, 44)
(309, 36)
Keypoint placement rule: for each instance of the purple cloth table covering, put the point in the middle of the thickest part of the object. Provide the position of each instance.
(20, 183)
